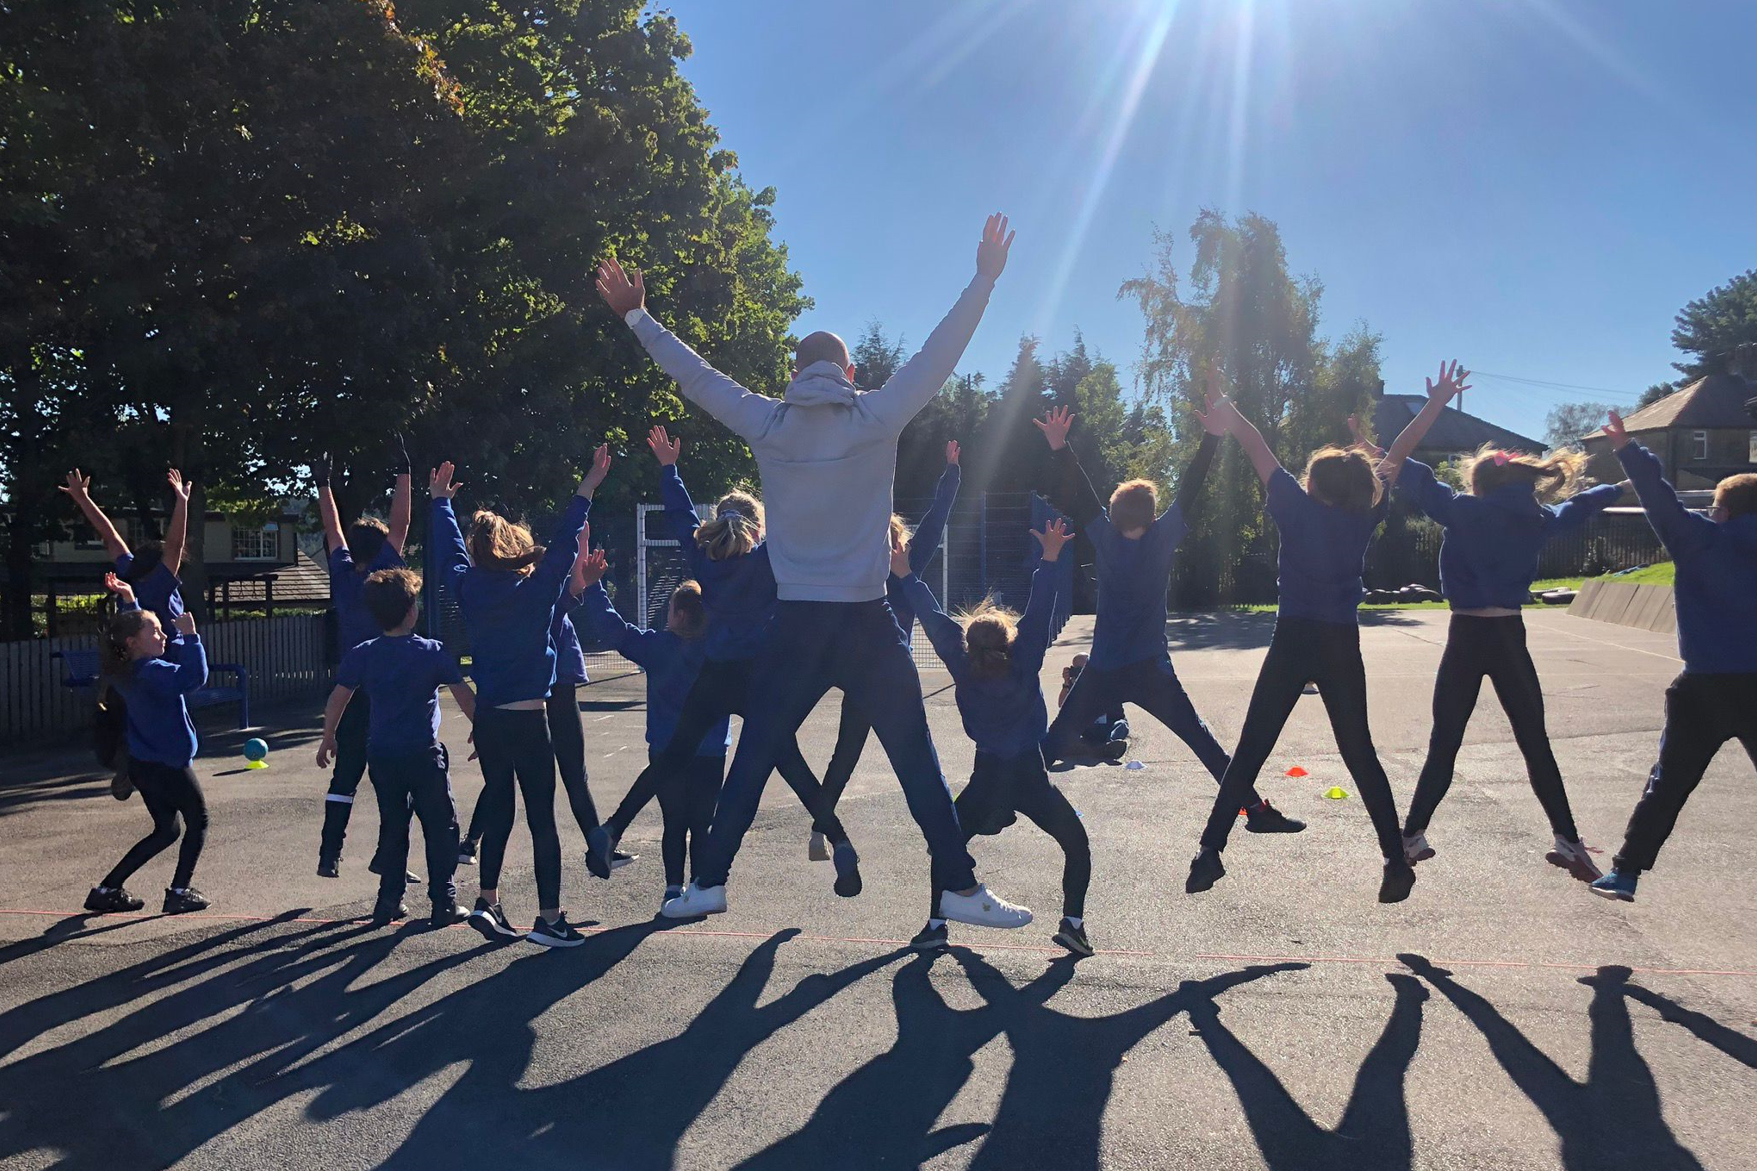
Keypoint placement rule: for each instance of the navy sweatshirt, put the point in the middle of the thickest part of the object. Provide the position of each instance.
(1323, 552)
(508, 614)
(922, 546)
(354, 625)
(159, 590)
(401, 674)
(738, 593)
(671, 664)
(1489, 555)
(570, 657)
(1005, 716)
(158, 720)
(1716, 588)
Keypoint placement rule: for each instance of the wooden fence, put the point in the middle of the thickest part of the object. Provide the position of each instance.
(285, 658)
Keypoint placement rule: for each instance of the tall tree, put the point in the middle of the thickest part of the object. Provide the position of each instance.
(1712, 328)
(1567, 423)
(1654, 393)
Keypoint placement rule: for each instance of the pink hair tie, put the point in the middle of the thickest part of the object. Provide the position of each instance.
(1501, 459)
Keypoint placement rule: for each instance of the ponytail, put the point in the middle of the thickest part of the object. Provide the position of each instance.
(736, 529)
(1550, 478)
(115, 661)
(989, 630)
(497, 543)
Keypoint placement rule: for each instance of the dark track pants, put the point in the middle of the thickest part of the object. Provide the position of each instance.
(350, 768)
(419, 782)
(686, 798)
(1021, 784)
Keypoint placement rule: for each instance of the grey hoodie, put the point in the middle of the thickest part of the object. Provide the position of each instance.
(827, 451)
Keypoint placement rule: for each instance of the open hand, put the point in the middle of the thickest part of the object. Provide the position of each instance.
(119, 587)
(179, 486)
(1358, 433)
(665, 449)
(1055, 534)
(439, 481)
(991, 254)
(624, 293)
(952, 452)
(1220, 417)
(1451, 383)
(1055, 425)
(591, 568)
(184, 622)
(77, 486)
(600, 468)
(584, 544)
(1619, 435)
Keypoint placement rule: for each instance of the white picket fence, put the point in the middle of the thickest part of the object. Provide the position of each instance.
(284, 656)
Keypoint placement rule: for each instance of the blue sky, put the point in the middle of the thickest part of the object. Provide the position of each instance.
(1533, 186)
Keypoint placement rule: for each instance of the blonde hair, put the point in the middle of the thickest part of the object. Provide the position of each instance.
(497, 543)
(736, 529)
(692, 613)
(1550, 478)
(989, 630)
(1737, 494)
(901, 533)
(1343, 477)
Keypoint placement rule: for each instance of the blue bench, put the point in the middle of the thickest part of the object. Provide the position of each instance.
(81, 673)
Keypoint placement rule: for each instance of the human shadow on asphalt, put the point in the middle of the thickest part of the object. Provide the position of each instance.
(1612, 1120)
(1731, 1042)
(1052, 1107)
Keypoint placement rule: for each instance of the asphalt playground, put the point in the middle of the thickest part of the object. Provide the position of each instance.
(1501, 1018)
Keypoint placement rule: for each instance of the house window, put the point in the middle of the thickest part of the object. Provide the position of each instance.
(1699, 445)
(255, 544)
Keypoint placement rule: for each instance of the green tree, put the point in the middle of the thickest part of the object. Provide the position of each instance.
(1567, 423)
(1712, 328)
(1654, 393)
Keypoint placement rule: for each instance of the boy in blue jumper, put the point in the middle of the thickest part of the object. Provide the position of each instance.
(367, 546)
(401, 674)
(1715, 699)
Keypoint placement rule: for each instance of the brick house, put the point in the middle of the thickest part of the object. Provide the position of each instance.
(1702, 434)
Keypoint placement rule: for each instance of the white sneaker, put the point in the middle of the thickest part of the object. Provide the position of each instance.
(982, 909)
(1416, 849)
(1572, 857)
(819, 849)
(694, 901)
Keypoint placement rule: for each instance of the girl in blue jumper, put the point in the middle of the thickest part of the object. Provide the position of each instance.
(995, 658)
(1325, 525)
(507, 588)
(153, 674)
(730, 560)
(1494, 533)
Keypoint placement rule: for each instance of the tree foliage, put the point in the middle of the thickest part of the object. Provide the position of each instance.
(1567, 423)
(1712, 328)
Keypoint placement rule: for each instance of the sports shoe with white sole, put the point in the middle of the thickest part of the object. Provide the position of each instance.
(1573, 857)
(618, 859)
(696, 900)
(560, 933)
(1616, 885)
(1073, 938)
(930, 938)
(491, 921)
(981, 908)
(818, 849)
(1416, 848)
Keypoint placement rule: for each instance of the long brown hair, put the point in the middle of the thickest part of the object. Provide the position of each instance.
(1343, 477)
(989, 630)
(1550, 478)
(115, 661)
(497, 543)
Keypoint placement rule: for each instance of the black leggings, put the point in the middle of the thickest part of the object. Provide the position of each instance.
(1021, 783)
(851, 736)
(721, 689)
(1495, 647)
(569, 740)
(515, 744)
(686, 799)
(1303, 651)
(167, 792)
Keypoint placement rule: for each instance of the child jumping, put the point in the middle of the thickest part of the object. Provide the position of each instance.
(1715, 699)
(995, 656)
(401, 675)
(1488, 559)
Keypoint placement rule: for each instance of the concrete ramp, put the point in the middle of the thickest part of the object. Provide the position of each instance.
(1646, 607)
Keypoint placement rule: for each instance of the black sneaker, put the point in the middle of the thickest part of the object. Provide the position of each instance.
(847, 864)
(384, 914)
(557, 934)
(447, 914)
(600, 845)
(410, 878)
(1266, 819)
(466, 852)
(1399, 880)
(329, 868)
(1205, 871)
(618, 859)
(178, 902)
(114, 901)
(1074, 938)
(492, 922)
(930, 938)
(1114, 750)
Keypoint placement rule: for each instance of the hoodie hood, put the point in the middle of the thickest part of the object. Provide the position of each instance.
(821, 384)
(1517, 499)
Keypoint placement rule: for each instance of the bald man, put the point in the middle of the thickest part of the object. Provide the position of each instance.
(828, 455)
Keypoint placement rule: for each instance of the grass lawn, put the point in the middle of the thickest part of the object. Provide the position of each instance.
(1661, 574)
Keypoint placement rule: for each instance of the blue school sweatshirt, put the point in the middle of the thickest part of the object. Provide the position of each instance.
(1716, 564)
(508, 614)
(1005, 716)
(671, 664)
(354, 625)
(158, 720)
(1488, 557)
(1323, 552)
(738, 593)
(922, 546)
(160, 591)
(401, 675)
(570, 657)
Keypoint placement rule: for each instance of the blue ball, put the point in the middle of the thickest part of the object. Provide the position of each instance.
(255, 749)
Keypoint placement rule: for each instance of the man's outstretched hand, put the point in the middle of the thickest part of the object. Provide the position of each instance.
(622, 292)
(991, 254)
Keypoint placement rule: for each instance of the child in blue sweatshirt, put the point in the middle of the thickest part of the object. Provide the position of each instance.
(507, 588)
(1325, 526)
(995, 658)
(401, 675)
(671, 659)
(1130, 659)
(922, 543)
(153, 674)
(730, 560)
(1494, 533)
(1715, 699)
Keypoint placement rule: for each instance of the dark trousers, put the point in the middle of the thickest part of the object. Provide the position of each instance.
(851, 736)
(350, 767)
(812, 647)
(722, 689)
(418, 781)
(1150, 684)
(686, 798)
(569, 739)
(1494, 647)
(168, 792)
(1022, 784)
(1306, 651)
(514, 746)
(1702, 712)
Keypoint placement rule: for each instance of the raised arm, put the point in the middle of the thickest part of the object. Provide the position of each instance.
(1256, 448)
(747, 414)
(328, 514)
(1432, 496)
(177, 535)
(1574, 512)
(605, 625)
(932, 529)
(1679, 529)
(188, 656)
(680, 511)
(1189, 485)
(1069, 489)
(450, 553)
(945, 634)
(78, 486)
(1032, 641)
(921, 377)
(401, 499)
(1450, 385)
